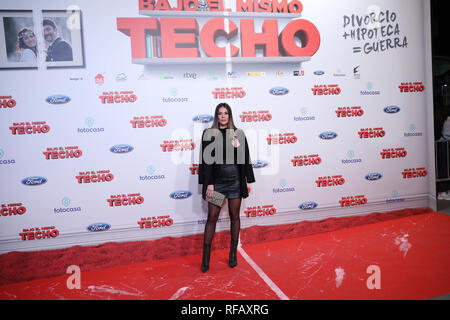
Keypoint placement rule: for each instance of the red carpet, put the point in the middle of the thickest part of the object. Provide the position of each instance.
(411, 253)
(24, 266)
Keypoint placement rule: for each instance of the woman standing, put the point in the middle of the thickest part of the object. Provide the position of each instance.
(225, 167)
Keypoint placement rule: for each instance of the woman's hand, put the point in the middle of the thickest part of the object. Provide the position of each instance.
(210, 191)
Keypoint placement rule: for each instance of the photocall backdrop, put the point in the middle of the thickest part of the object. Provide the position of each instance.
(334, 98)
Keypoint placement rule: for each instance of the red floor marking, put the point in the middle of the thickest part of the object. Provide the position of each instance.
(412, 253)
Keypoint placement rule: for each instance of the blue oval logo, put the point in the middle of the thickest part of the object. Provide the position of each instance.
(100, 226)
(259, 164)
(203, 118)
(328, 135)
(34, 181)
(121, 148)
(373, 176)
(308, 205)
(391, 109)
(278, 91)
(58, 99)
(180, 195)
(319, 72)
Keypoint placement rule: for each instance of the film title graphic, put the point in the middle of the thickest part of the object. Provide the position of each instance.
(368, 133)
(218, 5)
(255, 116)
(35, 127)
(326, 90)
(347, 112)
(39, 233)
(194, 169)
(229, 93)
(94, 176)
(12, 209)
(181, 37)
(130, 199)
(281, 138)
(411, 87)
(7, 102)
(330, 181)
(155, 222)
(177, 145)
(378, 30)
(62, 153)
(393, 153)
(306, 160)
(148, 122)
(352, 201)
(414, 173)
(112, 97)
(260, 211)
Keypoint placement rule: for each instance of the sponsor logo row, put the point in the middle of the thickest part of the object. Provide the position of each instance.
(136, 199)
(51, 232)
(129, 96)
(155, 222)
(159, 121)
(75, 152)
(99, 79)
(41, 127)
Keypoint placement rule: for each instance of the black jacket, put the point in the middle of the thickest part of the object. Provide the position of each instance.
(60, 50)
(209, 158)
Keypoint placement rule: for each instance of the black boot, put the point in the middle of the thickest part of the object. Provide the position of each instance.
(205, 258)
(232, 261)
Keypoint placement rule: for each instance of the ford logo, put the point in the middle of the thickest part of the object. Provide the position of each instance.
(328, 135)
(259, 164)
(279, 91)
(319, 72)
(121, 148)
(373, 176)
(308, 205)
(203, 118)
(391, 109)
(95, 227)
(180, 195)
(58, 99)
(34, 181)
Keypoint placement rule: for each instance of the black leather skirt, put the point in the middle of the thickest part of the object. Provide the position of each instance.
(226, 177)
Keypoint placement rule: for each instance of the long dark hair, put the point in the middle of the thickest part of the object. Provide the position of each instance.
(22, 44)
(215, 124)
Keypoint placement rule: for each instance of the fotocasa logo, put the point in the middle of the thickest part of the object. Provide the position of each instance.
(89, 122)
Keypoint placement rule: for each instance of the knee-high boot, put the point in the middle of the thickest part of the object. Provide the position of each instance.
(205, 258)
(232, 261)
